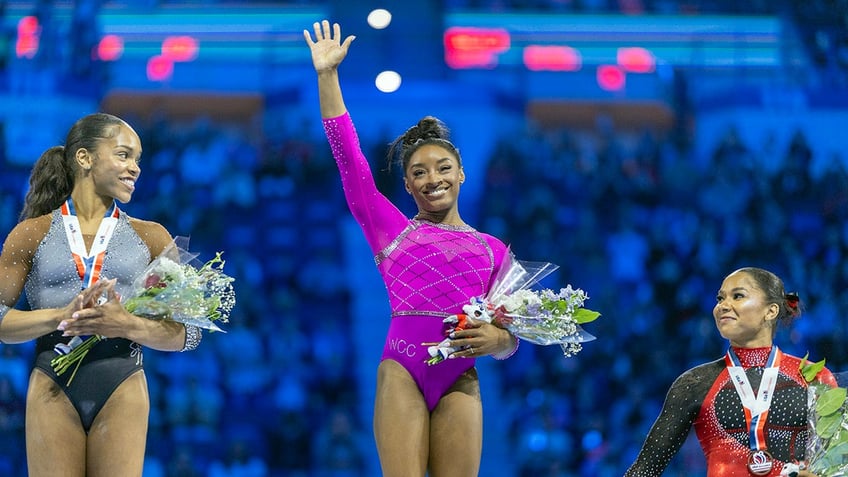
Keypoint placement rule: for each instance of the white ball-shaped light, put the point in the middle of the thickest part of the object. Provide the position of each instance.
(388, 81)
(379, 18)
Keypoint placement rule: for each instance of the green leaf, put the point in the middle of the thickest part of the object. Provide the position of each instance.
(583, 315)
(810, 370)
(826, 426)
(830, 401)
(840, 439)
(835, 456)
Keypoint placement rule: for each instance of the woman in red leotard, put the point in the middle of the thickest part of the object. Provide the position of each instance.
(748, 408)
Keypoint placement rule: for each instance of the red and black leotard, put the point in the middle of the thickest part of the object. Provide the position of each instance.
(705, 398)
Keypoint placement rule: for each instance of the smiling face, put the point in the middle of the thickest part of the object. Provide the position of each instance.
(113, 165)
(433, 177)
(742, 314)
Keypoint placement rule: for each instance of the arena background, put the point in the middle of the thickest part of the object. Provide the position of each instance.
(648, 147)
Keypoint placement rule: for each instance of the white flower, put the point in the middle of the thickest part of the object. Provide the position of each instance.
(170, 270)
(520, 301)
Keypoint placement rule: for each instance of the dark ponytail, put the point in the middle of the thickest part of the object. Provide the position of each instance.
(50, 182)
(54, 174)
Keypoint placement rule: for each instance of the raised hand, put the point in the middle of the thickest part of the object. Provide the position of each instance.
(328, 50)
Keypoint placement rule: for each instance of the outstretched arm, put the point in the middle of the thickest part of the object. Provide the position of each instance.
(328, 51)
(380, 219)
(682, 404)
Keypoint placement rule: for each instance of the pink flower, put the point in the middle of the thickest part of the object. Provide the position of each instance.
(154, 280)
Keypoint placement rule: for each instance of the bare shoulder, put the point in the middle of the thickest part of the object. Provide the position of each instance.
(154, 234)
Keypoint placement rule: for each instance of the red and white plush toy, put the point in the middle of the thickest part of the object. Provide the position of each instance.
(477, 309)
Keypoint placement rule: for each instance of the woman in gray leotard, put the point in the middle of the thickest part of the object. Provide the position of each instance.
(72, 247)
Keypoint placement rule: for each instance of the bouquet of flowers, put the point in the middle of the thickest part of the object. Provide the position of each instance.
(546, 317)
(173, 287)
(827, 440)
(542, 317)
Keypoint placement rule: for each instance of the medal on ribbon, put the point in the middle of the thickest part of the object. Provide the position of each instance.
(89, 263)
(756, 406)
(760, 462)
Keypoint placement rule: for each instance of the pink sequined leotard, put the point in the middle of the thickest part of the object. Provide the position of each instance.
(704, 398)
(430, 270)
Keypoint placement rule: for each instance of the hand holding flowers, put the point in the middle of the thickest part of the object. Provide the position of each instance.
(539, 316)
(170, 288)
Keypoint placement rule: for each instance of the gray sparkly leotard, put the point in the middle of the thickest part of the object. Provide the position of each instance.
(52, 281)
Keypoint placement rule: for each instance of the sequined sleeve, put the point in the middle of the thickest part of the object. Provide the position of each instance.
(16, 259)
(193, 335)
(680, 409)
(380, 220)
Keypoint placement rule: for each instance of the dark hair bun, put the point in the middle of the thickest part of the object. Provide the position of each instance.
(428, 127)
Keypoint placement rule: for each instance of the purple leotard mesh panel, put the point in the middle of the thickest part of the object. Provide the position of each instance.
(436, 268)
(429, 270)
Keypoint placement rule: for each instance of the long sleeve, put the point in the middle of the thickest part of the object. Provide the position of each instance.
(668, 433)
(380, 220)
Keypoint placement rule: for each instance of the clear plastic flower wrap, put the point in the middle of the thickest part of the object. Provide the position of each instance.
(174, 286)
(543, 317)
(827, 437)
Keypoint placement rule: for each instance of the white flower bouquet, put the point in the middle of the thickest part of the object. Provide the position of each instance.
(546, 317)
(542, 317)
(173, 287)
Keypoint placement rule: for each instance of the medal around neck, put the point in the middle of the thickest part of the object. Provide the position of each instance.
(760, 462)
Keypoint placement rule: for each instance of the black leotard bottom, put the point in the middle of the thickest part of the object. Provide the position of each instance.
(107, 365)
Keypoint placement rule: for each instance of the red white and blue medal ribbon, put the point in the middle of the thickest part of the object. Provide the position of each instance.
(89, 263)
(756, 406)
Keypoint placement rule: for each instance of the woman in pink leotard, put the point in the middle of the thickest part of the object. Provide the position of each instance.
(426, 417)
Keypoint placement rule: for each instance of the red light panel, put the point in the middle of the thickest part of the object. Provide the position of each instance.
(611, 78)
(474, 47)
(160, 68)
(180, 48)
(29, 32)
(552, 58)
(636, 60)
(28, 26)
(110, 48)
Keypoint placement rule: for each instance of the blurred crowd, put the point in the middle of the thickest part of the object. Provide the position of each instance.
(650, 235)
(645, 229)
